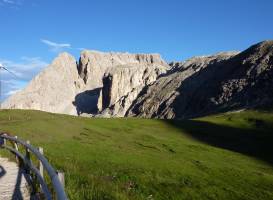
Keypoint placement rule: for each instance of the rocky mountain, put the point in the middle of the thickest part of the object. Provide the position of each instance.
(211, 84)
(121, 86)
(144, 85)
(68, 87)
(53, 90)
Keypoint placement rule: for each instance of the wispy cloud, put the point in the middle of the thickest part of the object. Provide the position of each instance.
(56, 47)
(11, 92)
(17, 4)
(81, 49)
(12, 3)
(25, 69)
(8, 1)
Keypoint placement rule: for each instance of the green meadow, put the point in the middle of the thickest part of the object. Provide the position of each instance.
(227, 156)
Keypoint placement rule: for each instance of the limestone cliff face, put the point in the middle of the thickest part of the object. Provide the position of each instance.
(95, 66)
(53, 90)
(121, 86)
(212, 84)
(71, 88)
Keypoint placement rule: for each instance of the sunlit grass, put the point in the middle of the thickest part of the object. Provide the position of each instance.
(147, 159)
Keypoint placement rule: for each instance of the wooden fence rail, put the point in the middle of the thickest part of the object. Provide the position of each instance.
(13, 145)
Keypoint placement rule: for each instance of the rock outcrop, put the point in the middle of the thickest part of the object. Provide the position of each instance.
(73, 88)
(95, 67)
(211, 84)
(53, 90)
(123, 84)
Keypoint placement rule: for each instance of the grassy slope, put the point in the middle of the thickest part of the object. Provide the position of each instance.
(153, 159)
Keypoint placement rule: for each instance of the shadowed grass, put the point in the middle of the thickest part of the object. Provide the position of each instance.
(154, 159)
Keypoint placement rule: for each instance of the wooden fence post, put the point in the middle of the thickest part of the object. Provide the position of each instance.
(27, 157)
(17, 149)
(41, 166)
(61, 177)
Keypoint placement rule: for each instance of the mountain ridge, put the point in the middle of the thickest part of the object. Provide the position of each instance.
(241, 81)
(123, 84)
(70, 87)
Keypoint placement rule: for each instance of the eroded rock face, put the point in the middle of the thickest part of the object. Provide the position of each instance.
(94, 64)
(212, 84)
(125, 72)
(122, 84)
(53, 90)
(71, 88)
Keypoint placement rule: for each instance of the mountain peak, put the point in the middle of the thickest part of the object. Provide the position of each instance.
(122, 84)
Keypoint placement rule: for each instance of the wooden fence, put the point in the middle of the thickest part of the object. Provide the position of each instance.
(23, 152)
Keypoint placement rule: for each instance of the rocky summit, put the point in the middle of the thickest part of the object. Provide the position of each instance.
(144, 85)
(211, 84)
(70, 87)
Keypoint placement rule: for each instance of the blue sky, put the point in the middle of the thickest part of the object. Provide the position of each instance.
(33, 32)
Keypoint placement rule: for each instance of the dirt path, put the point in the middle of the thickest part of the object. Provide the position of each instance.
(13, 184)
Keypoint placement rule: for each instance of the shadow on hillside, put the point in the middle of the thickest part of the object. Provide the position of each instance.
(256, 143)
(86, 102)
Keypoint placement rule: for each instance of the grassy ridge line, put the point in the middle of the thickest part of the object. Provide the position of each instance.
(152, 159)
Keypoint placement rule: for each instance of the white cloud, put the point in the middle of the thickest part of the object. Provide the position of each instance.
(8, 1)
(25, 69)
(12, 3)
(81, 49)
(11, 92)
(56, 47)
